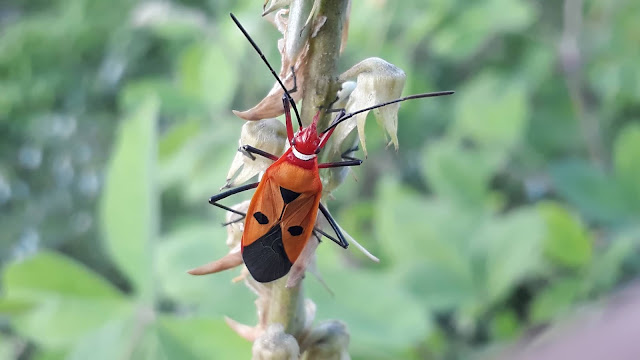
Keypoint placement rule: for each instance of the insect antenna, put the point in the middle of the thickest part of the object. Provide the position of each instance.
(255, 46)
(342, 117)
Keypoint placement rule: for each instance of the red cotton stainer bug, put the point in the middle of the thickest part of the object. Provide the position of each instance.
(282, 212)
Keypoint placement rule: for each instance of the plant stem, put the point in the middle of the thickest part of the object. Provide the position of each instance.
(287, 304)
(320, 85)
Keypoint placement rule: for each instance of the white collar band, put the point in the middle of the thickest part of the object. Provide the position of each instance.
(302, 156)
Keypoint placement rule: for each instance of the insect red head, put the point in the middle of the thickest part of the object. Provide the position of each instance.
(306, 140)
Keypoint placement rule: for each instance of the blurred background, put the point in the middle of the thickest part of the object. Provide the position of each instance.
(508, 205)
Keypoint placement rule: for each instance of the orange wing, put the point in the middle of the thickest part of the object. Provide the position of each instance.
(279, 223)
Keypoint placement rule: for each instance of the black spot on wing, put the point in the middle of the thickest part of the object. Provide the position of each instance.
(288, 195)
(265, 258)
(260, 218)
(295, 230)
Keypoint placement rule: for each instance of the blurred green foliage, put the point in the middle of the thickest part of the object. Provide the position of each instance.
(506, 206)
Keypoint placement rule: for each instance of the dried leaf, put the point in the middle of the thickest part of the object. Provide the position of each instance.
(229, 261)
(250, 333)
(234, 237)
(377, 81)
(270, 6)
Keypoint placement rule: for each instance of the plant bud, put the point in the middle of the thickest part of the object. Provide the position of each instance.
(327, 341)
(275, 344)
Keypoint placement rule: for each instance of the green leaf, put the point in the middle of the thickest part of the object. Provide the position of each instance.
(42, 354)
(6, 348)
(462, 36)
(567, 241)
(383, 318)
(177, 137)
(505, 325)
(128, 208)
(507, 249)
(206, 72)
(60, 322)
(460, 174)
(170, 21)
(173, 101)
(492, 112)
(193, 246)
(49, 273)
(173, 348)
(592, 191)
(438, 285)
(67, 299)
(609, 263)
(111, 341)
(555, 299)
(413, 228)
(184, 336)
(15, 306)
(626, 160)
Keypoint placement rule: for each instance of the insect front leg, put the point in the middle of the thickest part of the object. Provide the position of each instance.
(348, 160)
(249, 150)
(215, 198)
(295, 82)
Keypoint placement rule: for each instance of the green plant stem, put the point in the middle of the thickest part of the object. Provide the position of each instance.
(320, 84)
(287, 304)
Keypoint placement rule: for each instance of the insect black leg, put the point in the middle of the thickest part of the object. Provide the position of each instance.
(249, 150)
(273, 72)
(325, 235)
(330, 110)
(215, 198)
(354, 162)
(341, 240)
(349, 151)
(235, 220)
(350, 160)
(295, 82)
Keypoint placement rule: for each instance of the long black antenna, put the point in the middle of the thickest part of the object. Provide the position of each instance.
(344, 117)
(255, 46)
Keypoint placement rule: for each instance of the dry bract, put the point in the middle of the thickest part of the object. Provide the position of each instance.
(377, 81)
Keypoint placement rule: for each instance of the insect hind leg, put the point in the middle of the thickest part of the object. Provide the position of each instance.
(235, 220)
(341, 240)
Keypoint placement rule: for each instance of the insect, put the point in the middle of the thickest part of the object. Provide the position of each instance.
(282, 213)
